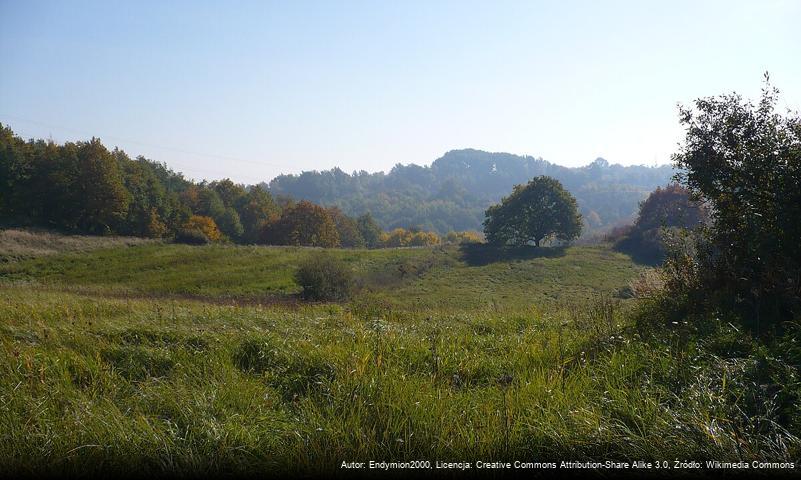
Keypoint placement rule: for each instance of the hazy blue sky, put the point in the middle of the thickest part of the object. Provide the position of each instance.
(253, 89)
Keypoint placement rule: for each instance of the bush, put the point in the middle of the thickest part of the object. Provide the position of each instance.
(324, 277)
(745, 160)
(204, 225)
(191, 237)
(467, 236)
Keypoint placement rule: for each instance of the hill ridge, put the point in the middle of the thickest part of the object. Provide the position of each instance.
(453, 192)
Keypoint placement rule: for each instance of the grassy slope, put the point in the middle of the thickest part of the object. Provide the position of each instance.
(109, 384)
(17, 244)
(89, 383)
(418, 278)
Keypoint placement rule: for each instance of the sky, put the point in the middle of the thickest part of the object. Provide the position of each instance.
(251, 90)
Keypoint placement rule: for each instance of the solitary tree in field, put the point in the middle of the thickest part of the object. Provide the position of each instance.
(538, 211)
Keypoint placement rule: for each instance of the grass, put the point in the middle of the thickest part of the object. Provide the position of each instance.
(16, 244)
(101, 385)
(401, 278)
(443, 356)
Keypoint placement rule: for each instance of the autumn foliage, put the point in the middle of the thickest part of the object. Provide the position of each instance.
(204, 225)
(302, 224)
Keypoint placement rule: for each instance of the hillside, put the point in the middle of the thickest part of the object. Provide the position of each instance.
(166, 359)
(17, 244)
(406, 278)
(454, 191)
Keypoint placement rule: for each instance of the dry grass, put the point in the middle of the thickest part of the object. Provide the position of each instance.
(647, 284)
(16, 244)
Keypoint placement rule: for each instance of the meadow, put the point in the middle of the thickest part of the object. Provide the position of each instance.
(162, 358)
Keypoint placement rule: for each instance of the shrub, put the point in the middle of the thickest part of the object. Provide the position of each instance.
(399, 237)
(324, 277)
(204, 225)
(745, 160)
(648, 283)
(191, 237)
(424, 239)
(467, 236)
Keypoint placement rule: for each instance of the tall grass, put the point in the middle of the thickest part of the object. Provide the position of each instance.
(19, 244)
(90, 385)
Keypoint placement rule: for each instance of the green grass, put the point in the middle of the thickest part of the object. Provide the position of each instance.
(405, 278)
(445, 354)
(104, 385)
(17, 244)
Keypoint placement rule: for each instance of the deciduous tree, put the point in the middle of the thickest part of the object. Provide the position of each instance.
(303, 224)
(538, 211)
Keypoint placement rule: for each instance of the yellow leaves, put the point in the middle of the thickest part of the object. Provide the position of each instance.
(400, 237)
(204, 225)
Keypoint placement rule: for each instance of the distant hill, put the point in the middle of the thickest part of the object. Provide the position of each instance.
(454, 191)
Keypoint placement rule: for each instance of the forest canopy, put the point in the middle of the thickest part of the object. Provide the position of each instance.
(454, 192)
(85, 187)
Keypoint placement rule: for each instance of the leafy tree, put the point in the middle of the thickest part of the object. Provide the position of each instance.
(398, 237)
(87, 184)
(256, 209)
(303, 224)
(229, 192)
(424, 239)
(745, 160)
(347, 229)
(538, 211)
(149, 202)
(456, 238)
(665, 212)
(369, 230)
(43, 197)
(671, 206)
(155, 227)
(230, 225)
(190, 197)
(15, 171)
(203, 225)
(209, 203)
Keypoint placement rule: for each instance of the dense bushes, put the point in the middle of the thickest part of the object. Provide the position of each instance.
(745, 160)
(725, 305)
(665, 212)
(191, 237)
(323, 277)
(468, 236)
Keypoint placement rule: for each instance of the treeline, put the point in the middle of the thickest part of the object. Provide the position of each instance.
(454, 192)
(83, 187)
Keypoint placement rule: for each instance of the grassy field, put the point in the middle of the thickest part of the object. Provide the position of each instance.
(141, 359)
(16, 244)
(460, 278)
